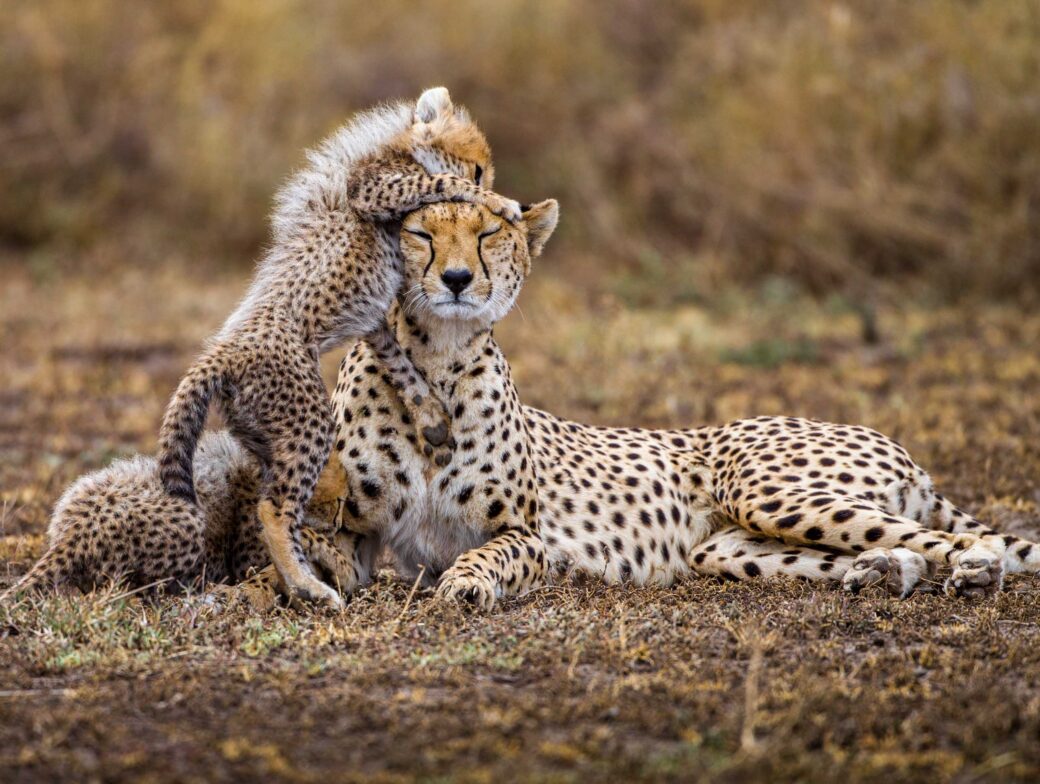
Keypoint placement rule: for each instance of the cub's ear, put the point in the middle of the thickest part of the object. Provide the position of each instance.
(541, 220)
(433, 103)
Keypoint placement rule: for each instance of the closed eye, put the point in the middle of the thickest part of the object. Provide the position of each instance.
(480, 248)
(421, 234)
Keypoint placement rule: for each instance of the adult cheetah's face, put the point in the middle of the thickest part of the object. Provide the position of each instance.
(463, 263)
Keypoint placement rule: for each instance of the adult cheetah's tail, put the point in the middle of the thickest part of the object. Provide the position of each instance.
(49, 572)
(182, 427)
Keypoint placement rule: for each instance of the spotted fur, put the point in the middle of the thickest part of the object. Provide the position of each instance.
(330, 275)
(120, 525)
(752, 498)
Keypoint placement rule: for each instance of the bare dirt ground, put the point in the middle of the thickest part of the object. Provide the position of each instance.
(706, 681)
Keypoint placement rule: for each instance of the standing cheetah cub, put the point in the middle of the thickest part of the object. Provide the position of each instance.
(330, 275)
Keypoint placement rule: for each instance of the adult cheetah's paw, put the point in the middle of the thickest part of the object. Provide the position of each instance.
(978, 573)
(462, 585)
(898, 570)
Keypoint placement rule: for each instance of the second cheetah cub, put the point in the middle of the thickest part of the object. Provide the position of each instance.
(330, 275)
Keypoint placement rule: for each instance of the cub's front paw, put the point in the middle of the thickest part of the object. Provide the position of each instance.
(461, 585)
(505, 208)
(433, 430)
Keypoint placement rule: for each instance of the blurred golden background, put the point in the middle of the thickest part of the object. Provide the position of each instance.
(839, 147)
(803, 207)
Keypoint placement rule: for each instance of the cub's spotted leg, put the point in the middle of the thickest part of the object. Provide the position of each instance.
(736, 554)
(297, 458)
(260, 588)
(851, 525)
(381, 191)
(335, 559)
(509, 564)
(430, 421)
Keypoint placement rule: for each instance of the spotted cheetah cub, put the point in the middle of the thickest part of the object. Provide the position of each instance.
(330, 275)
(119, 524)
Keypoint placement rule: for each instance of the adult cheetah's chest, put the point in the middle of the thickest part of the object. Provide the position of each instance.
(429, 516)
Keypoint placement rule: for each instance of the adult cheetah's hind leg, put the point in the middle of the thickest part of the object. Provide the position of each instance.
(1019, 555)
(852, 525)
(734, 553)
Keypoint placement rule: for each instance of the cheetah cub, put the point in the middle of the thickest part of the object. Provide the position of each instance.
(118, 524)
(330, 275)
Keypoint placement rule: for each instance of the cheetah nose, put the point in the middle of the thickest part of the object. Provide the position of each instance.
(456, 279)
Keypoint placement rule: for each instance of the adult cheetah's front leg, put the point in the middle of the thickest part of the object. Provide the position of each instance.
(509, 564)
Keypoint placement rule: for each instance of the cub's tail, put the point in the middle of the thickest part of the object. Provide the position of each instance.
(182, 426)
(51, 571)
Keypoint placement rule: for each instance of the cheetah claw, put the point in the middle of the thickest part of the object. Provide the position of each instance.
(899, 571)
(463, 588)
(976, 577)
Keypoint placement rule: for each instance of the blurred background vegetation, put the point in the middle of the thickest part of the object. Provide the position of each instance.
(844, 148)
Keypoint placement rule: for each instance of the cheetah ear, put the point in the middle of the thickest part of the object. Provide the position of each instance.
(540, 220)
(433, 103)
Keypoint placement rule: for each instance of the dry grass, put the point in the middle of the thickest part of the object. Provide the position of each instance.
(705, 140)
(722, 682)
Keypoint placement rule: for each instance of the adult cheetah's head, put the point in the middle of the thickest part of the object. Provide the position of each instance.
(463, 263)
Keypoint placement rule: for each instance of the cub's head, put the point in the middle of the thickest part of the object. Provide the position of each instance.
(463, 263)
(443, 138)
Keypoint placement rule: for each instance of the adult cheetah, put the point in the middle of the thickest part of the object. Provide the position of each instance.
(756, 497)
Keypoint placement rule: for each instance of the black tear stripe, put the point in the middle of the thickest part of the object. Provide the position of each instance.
(433, 255)
(480, 255)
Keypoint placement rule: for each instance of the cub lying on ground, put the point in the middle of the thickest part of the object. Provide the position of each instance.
(329, 275)
(119, 524)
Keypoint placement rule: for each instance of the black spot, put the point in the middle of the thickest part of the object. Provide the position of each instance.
(842, 515)
(495, 509)
(874, 534)
(813, 534)
(790, 521)
(751, 569)
(772, 506)
(370, 488)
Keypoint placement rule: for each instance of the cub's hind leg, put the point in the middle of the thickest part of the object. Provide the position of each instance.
(299, 422)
